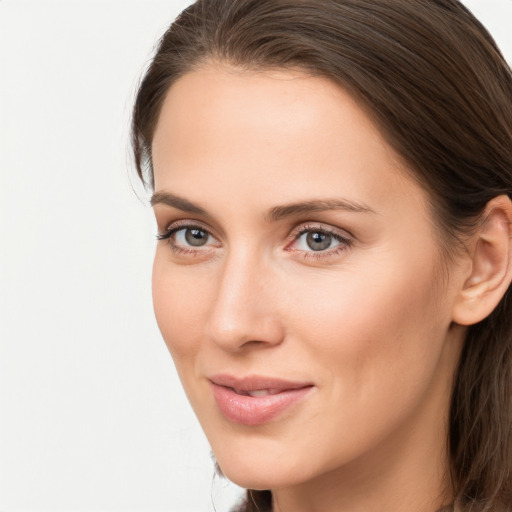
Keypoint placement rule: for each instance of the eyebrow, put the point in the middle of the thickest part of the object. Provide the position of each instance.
(177, 202)
(276, 213)
(320, 205)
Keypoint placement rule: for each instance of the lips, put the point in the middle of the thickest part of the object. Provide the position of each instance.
(256, 400)
(258, 392)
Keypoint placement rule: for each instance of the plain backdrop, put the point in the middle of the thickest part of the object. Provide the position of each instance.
(92, 415)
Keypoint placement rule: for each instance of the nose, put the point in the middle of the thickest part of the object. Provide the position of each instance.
(245, 312)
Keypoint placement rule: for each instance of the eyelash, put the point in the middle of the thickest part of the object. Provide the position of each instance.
(178, 249)
(344, 242)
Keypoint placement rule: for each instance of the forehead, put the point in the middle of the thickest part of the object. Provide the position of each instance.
(272, 136)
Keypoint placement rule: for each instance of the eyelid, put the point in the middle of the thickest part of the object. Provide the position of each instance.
(175, 226)
(183, 249)
(344, 237)
(341, 234)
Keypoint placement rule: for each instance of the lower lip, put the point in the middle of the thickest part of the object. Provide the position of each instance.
(252, 411)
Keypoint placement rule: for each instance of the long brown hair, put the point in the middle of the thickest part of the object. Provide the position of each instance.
(434, 81)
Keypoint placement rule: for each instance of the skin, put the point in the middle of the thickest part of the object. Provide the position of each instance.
(369, 322)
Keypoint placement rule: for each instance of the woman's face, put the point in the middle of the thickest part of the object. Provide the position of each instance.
(297, 283)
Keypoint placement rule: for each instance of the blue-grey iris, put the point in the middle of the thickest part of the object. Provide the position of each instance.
(196, 237)
(318, 241)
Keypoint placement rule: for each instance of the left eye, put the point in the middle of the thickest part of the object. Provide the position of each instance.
(317, 241)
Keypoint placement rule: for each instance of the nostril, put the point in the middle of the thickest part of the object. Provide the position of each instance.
(254, 344)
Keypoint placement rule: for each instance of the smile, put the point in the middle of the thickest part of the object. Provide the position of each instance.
(254, 401)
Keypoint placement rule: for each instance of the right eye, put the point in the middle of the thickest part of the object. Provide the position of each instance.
(188, 238)
(194, 237)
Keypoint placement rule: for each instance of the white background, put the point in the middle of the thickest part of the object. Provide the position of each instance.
(92, 416)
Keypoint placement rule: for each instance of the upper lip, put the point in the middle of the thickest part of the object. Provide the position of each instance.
(257, 382)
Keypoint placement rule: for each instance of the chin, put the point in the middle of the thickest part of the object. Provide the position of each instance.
(259, 480)
(263, 471)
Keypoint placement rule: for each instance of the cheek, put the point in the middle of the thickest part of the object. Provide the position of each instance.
(366, 325)
(177, 300)
(373, 340)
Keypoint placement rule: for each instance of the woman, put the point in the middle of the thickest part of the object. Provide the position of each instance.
(331, 181)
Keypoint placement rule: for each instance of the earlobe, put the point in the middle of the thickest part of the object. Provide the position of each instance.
(491, 264)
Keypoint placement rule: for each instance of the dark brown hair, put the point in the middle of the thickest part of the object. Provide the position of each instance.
(435, 83)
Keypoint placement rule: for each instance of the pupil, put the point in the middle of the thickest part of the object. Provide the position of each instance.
(318, 241)
(195, 237)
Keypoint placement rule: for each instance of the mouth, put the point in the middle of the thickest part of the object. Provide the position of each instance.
(256, 393)
(255, 400)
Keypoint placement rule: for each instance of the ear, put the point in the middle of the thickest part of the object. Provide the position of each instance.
(491, 264)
